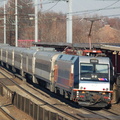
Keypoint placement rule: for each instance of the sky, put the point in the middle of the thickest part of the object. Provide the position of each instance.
(110, 8)
(85, 7)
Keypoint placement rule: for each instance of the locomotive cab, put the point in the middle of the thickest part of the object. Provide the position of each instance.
(95, 81)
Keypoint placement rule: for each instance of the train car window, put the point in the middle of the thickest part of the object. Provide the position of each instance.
(86, 68)
(42, 66)
(101, 68)
(94, 72)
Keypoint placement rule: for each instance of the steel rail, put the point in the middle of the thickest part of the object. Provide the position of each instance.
(6, 113)
(77, 117)
(46, 103)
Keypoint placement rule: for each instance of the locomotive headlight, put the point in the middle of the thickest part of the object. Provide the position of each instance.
(81, 87)
(92, 76)
(106, 89)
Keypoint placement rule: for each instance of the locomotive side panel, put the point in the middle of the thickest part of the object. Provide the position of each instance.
(64, 70)
(66, 75)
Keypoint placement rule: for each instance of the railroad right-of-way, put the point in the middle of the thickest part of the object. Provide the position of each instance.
(66, 110)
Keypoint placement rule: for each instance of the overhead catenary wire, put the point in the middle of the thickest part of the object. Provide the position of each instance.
(93, 10)
(84, 11)
(96, 10)
(53, 16)
(52, 6)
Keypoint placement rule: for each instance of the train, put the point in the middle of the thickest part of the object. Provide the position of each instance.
(85, 80)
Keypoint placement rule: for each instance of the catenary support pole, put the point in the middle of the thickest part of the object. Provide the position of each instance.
(69, 22)
(4, 21)
(36, 21)
(16, 23)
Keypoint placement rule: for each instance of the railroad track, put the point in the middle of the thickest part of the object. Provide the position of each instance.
(70, 112)
(5, 114)
(41, 100)
(100, 114)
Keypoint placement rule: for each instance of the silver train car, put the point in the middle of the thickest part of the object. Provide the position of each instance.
(82, 79)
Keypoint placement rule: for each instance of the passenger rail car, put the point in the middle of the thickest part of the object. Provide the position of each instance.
(82, 79)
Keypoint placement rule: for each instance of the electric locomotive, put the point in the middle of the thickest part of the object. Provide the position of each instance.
(85, 80)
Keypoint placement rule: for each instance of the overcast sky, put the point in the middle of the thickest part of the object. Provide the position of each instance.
(82, 7)
(100, 7)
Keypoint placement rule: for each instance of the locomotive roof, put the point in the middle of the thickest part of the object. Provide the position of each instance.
(66, 57)
(88, 58)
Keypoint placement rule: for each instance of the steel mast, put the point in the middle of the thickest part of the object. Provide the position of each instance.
(69, 22)
(4, 21)
(16, 23)
(36, 21)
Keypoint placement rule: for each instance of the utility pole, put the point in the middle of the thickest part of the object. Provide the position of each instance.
(69, 22)
(92, 20)
(16, 23)
(36, 21)
(4, 21)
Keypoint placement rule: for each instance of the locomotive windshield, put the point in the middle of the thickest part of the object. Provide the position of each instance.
(96, 72)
